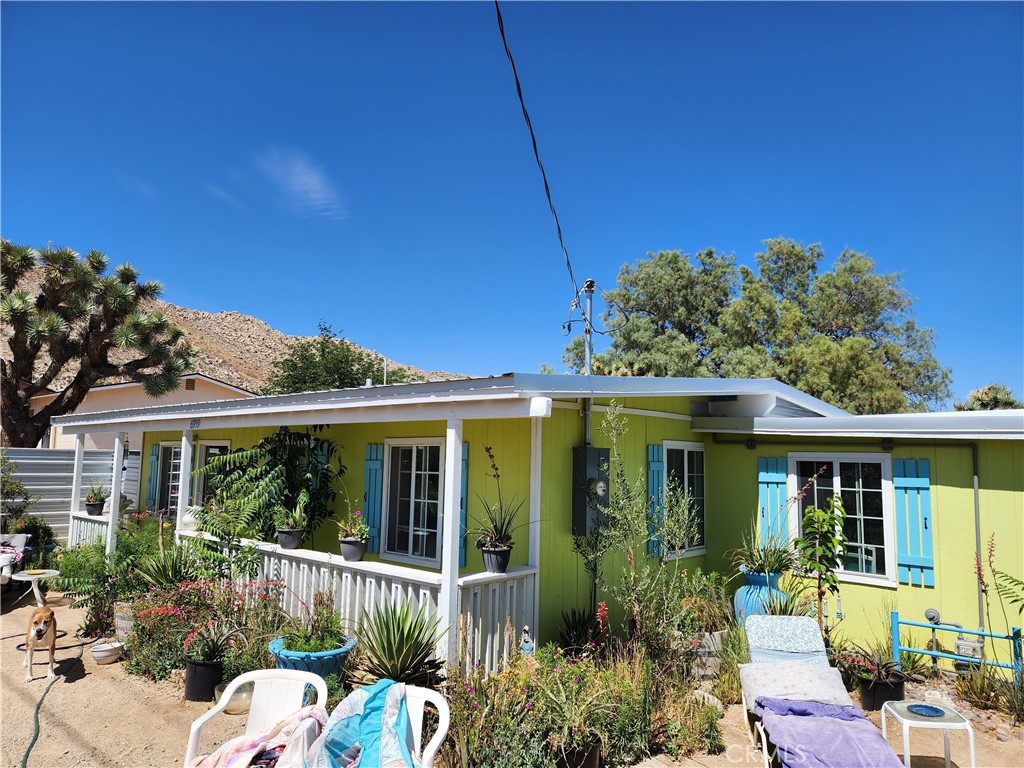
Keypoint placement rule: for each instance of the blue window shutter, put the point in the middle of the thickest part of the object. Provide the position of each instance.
(772, 508)
(462, 506)
(914, 558)
(655, 481)
(373, 489)
(154, 461)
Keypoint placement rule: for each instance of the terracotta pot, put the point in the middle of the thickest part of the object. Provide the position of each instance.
(496, 560)
(352, 550)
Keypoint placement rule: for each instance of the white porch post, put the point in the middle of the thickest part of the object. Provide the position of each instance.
(115, 492)
(448, 600)
(188, 440)
(536, 434)
(76, 477)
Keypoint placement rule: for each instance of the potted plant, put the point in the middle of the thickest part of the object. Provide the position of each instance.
(762, 564)
(204, 658)
(572, 708)
(708, 612)
(494, 536)
(880, 677)
(96, 497)
(291, 524)
(353, 533)
(315, 641)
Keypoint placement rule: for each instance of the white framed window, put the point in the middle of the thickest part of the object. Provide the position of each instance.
(864, 483)
(412, 503)
(684, 468)
(206, 450)
(168, 472)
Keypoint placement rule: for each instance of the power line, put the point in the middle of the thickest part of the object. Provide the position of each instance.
(536, 152)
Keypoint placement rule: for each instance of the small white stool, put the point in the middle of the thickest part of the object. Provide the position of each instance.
(949, 720)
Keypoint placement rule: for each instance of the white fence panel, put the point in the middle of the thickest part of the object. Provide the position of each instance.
(494, 609)
(48, 473)
(494, 606)
(86, 528)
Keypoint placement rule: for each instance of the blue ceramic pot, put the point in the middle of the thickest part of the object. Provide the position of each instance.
(751, 598)
(321, 663)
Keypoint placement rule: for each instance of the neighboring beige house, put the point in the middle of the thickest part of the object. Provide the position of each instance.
(165, 459)
(194, 388)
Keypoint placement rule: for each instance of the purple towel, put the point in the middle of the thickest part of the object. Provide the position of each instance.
(811, 735)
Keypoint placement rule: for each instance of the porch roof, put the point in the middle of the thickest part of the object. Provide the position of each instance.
(512, 395)
(955, 425)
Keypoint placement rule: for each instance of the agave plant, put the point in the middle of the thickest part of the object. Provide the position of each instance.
(398, 644)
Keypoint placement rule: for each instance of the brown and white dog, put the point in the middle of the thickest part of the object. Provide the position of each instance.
(42, 632)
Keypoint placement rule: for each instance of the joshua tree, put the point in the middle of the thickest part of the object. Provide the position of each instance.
(62, 315)
(994, 397)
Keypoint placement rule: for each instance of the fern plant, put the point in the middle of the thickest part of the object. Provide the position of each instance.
(286, 469)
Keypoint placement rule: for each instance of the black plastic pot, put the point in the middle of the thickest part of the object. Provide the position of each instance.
(496, 560)
(874, 693)
(290, 538)
(201, 677)
(352, 550)
(579, 757)
(94, 508)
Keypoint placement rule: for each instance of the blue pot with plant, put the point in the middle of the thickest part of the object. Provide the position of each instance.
(316, 642)
(761, 563)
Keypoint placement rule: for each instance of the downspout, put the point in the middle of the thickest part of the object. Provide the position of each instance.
(887, 445)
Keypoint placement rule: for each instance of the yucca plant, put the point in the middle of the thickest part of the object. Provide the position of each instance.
(398, 644)
(171, 566)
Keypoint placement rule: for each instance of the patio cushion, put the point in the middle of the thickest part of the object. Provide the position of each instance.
(793, 681)
(785, 638)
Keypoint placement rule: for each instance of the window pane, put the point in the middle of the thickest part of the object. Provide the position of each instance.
(871, 504)
(695, 462)
(871, 476)
(874, 531)
(675, 464)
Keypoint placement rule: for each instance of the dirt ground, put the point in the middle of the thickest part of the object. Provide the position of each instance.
(101, 716)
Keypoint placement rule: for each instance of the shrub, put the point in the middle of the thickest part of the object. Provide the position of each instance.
(398, 644)
(726, 686)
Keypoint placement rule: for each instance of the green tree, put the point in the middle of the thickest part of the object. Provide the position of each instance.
(81, 321)
(994, 397)
(846, 335)
(327, 362)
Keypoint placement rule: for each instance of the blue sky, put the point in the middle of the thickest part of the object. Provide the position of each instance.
(369, 164)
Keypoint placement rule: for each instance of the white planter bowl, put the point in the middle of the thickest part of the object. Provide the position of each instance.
(107, 653)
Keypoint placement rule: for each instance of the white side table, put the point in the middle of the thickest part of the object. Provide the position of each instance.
(949, 720)
(35, 578)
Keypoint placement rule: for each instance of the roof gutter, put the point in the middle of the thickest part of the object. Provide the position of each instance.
(887, 446)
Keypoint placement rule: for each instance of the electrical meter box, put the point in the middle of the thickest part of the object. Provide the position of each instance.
(970, 648)
(589, 488)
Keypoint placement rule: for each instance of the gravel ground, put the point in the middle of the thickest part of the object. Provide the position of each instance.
(93, 715)
(102, 716)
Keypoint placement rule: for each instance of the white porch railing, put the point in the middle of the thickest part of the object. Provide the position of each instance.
(494, 607)
(489, 601)
(85, 528)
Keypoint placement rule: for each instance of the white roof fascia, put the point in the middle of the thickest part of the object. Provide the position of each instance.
(556, 385)
(958, 425)
(352, 412)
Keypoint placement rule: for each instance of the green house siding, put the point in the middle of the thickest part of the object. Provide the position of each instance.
(733, 499)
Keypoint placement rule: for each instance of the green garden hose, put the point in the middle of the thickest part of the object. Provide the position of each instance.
(39, 704)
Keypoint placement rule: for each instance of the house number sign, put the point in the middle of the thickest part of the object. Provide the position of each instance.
(194, 424)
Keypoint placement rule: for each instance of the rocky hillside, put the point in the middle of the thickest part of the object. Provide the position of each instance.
(240, 349)
(232, 347)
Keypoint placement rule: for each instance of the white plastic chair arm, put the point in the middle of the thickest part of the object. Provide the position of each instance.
(197, 727)
(443, 721)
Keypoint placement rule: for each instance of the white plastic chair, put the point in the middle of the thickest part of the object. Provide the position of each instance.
(415, 700)
(276, 693)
